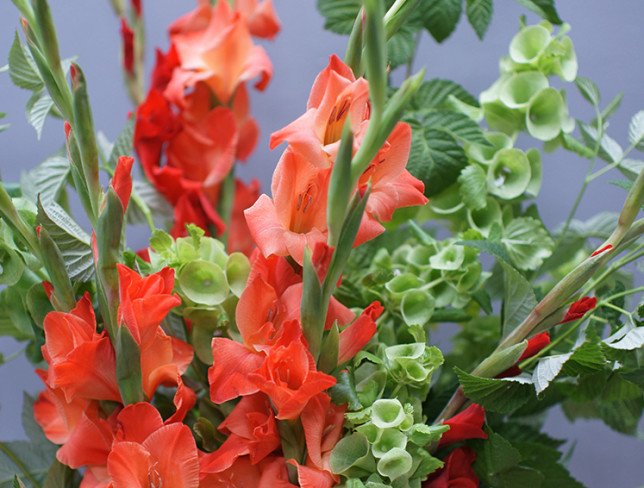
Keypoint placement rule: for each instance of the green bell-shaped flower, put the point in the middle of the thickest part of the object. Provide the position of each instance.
(529, 44)
(534, 157)
(417, 307)
(560, 59)
(395, 463)
(485, 154)
(502, 118)
(203, 282)
(509, 175)
(547, 115)
(482, 220)
(388, 439)
(517, 90)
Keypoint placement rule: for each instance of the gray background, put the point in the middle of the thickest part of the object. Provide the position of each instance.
(608, 37)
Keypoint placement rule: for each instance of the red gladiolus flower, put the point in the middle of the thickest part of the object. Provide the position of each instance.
(215, 46)
(252, 431)
(136, 6)
(127, 36)
(81, 361)
(464, 425)
(457, 472)
(580, 308)
(148, 453)
(260, 17)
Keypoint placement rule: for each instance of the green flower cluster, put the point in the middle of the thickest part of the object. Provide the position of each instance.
(417, 278)
(208, 280)
(386, 448)
(522, 97)
(389, 434)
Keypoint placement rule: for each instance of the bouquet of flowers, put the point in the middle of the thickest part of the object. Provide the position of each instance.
(286, 340)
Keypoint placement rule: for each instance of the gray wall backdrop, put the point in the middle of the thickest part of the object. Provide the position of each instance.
(608, 37)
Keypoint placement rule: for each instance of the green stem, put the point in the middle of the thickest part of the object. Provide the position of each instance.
(225, 206)
(16, 460)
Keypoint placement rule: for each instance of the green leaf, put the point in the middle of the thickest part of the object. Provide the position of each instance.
(59, 476)
(339, 14)
(527, 242)
(344, 391)
(30, 459)
(128, 367)
(627, 339)
(458, 125)
(441, 17)
(497, 455)
(544, 8)
(546, 460)
(17, 483)
(609, 148)
(436, 159)
(3, 127)
(588, 90)
(72, 241)
(495, 248)
(572, 144)
(473, 187)
(22, 69)
(14, 318)
(435, 93)
(496, 395)
(146, 200)
(636, 131)
(401, 47)
(38, 107)
(46, 181)
(123, 145)
(518, 298)
(479, 14)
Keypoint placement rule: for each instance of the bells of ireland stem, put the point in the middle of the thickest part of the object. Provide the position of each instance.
(485, 154)
(517, 90)
(484, 219)
(509, 174)
(529, 44)
(547, 115)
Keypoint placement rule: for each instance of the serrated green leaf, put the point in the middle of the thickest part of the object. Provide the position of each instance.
(629, 340)
(518, 298)
(123, 145)
(495, 248)
(17, 483)
(527, 242)
(22, 69)
(479, 14)
(401, 47)
(441, 17)
(636, 131)
(46, 181)
(609, 148)
(544, 8)
(59, 476)
(498, 455)
(339, 14)
(473, 187)
(14, 319)
(146, 198)
(612, 106)
(548, 369)
(436, 159)
(456, 124)
(38, 107)
(435, 93)
(73, 242)
(588, 90)
(496, 395)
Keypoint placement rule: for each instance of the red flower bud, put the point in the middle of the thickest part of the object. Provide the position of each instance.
(137, 7)
(127, 34)
(122, 180)
(579, 308)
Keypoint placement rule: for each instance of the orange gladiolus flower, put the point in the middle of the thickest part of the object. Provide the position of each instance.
(288, 376)
(215, 46)
(81, 361)
(252, 431)
(148, 453)
(260, 17)
(323, 422)
(269, 473)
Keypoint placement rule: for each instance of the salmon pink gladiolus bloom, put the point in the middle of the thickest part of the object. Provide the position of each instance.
(81, 361)
(268, 473)
(148, 453)
(215, 46)
(260, 17)
(296, 216)
(335, 95)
